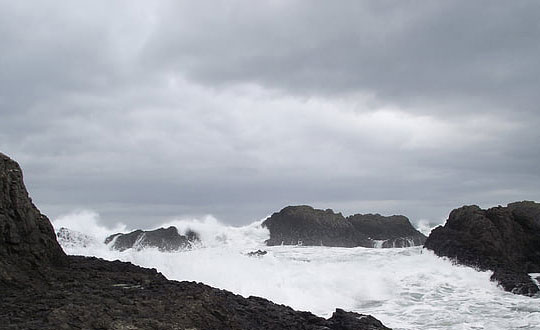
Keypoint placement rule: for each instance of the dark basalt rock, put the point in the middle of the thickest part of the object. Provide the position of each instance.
(27, 240)
(505, 240)
(395, 230)
(258, 253)
(91, 293)
(304, 225)
(165, 239)
(42, 288)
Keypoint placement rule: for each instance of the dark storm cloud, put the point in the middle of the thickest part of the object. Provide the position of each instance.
(480, 53)
(143, 112)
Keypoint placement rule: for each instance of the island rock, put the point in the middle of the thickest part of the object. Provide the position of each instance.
(304, 225)
(165, 239)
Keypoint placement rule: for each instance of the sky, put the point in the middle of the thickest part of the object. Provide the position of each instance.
(147, 111)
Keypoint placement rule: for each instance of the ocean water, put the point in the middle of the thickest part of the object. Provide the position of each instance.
(407, 288)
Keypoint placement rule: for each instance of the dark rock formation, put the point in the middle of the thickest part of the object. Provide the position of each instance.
(91, 293)
(165, 239)
(304, 225)
(505, 240)
(258, 253)
(42, 288)
(27, 239)
(394, 231)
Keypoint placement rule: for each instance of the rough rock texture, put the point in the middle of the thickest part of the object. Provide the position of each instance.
(91, 293)
(394, 231)
(305, 225)
(27, 239)
(42, 288)
(505, 240)
(165, 239)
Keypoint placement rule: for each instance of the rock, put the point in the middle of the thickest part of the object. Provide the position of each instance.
(505, 240)
(72, 238)
(258, 253)
(42, 288)
(91, 293)
(165, 239)
(304, 225)
(348, 320)
(27, 240)
(394, 231)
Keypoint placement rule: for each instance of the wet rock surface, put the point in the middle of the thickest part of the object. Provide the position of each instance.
(505, 240)
(165, 239)
(304, 225)
(42, 288)
(258, 253)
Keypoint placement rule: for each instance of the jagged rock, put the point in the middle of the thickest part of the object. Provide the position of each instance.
(165, 239)
(304, 225)
(72, 238)
(505, 240)
(27, 240)
(258, 253)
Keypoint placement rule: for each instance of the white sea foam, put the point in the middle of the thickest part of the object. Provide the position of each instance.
(407, 288)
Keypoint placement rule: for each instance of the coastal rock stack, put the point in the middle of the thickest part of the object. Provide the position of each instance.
(505, 240)
(304, 225)
(164, 239)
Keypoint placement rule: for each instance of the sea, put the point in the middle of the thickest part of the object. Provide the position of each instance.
(405, 288)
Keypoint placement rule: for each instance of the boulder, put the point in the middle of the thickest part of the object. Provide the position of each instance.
(165, 239)
(304, 225)
(505, 240)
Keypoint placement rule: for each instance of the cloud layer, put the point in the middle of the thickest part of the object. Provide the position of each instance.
(143, 112)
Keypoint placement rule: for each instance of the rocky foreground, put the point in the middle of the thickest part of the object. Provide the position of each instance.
(42, 288)
(304, 225)
(505, 240)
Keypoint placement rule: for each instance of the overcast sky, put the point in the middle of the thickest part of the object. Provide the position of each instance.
(146, 111)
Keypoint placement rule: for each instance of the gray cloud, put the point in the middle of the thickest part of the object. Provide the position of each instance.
(143, 112)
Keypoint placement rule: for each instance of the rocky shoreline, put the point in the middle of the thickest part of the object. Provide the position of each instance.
(43, 288)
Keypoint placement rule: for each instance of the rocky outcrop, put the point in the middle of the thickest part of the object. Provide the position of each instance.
(391, 231)
(304, 225)
(505, 240)
(42, 288)
(91, 293)
(165, 239)
(27, 241)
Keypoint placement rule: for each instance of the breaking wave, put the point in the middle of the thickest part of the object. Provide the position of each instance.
(407, 288)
